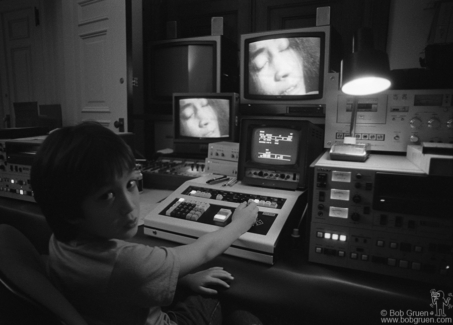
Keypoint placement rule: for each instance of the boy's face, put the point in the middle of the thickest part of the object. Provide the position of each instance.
(113, 211)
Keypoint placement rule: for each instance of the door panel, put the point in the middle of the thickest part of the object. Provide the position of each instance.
(102, 61)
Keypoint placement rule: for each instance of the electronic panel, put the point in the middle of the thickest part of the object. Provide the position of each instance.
(196, 208)
(16, 158)
(391, 120)
(383, 216)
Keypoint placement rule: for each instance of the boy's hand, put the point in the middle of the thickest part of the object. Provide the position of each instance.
(202, 282)
(247, 213)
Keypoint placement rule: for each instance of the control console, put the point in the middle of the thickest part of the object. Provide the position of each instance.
(196, 208)
(383, 216)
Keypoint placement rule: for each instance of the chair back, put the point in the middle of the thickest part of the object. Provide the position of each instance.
(28, 290)
(25, 114)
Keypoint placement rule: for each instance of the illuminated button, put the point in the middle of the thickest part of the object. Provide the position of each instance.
(327, 235)
(341, 253)
(364, 257)
(319, 234)
(342, 237)
(416, 266)
(354, 256)
(393, 245)
(404, 264)
(318, 250)
(222, 217)
(335, 236)
(380, 243)
(391, 262)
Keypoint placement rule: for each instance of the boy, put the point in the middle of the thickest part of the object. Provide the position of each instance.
(85, 181)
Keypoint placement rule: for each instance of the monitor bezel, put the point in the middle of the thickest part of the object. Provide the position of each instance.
(292, 103)
(214, 41)
(304, 154)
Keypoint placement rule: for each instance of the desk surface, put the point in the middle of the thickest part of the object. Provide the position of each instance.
(303, 291)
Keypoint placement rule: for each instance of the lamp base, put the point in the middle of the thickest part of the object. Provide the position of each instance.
(350, 151)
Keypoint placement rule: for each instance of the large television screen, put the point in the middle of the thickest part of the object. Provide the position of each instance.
(285, 71)
(280, 67)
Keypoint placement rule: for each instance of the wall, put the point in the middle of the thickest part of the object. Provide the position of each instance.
(409, 26)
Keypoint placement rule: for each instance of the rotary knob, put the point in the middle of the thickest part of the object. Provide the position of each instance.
(434, 123)
(355, 216)
(450, 123)
(414, 139)
(357, 198)
(415, 123)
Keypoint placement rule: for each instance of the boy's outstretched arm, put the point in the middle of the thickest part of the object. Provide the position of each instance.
(215, 243)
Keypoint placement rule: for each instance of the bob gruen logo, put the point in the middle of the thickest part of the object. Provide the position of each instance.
(440, 303)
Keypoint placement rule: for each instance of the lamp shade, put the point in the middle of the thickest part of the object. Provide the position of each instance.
(367, 70)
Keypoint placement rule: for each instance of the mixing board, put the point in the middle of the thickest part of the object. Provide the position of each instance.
(170, 172)
(196, 208)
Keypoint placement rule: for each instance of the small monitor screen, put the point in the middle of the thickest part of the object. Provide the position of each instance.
(275, 146)
(204, 117)
(284, 66)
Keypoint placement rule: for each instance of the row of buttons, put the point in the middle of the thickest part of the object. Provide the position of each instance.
(16, 191)
(221, 195)
(383, 260)
(404, 247)
(14, 181)
(262, 203)
(363, 136)
(328, 235)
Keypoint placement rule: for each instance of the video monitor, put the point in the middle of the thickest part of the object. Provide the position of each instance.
(203, 118)
(276, 152)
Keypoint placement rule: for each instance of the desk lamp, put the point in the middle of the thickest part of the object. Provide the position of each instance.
(365, 71)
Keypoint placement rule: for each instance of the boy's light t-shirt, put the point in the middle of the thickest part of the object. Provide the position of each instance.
(115, 282)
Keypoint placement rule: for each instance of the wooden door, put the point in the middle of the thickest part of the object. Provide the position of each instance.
(101, 81)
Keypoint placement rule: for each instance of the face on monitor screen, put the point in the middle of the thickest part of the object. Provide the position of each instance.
(284, 66)
(275, 146)
(204, 117)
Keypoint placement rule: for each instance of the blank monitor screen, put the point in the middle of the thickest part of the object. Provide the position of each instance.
(183, 68)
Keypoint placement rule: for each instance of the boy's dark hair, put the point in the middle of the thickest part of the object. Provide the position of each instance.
(70, 165)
